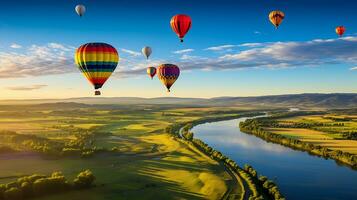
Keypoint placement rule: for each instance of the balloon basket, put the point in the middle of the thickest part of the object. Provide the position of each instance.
(97, 93)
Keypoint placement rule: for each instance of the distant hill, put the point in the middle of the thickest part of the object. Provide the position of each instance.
(334, 100)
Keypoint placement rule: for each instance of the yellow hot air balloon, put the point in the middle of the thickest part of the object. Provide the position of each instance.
(276, 17)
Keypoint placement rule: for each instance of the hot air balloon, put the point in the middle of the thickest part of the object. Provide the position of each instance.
(151, 71)
(168, 74)
(276, 17)
(181, 24)
(96, 61)
(146, 51)
(80, 9)
(340, 30)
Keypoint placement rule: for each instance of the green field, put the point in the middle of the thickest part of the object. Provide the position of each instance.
(136, 156)
(332, 130)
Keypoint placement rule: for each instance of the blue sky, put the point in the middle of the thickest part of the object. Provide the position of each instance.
(231, 50)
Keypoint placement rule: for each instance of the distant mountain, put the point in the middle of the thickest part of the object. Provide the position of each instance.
(334, 100)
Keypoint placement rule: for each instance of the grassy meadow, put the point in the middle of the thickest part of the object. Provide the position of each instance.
(137, 157)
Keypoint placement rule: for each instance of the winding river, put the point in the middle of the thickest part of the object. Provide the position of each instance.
(300, 176)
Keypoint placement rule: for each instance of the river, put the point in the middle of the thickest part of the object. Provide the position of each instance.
(300, 176)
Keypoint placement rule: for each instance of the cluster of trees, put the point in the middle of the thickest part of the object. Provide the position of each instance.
(277, 124)
(249, 174)
(332, 128)
(186, 133)
(82, 145)
(268, 185)
(174, 129)
(255, 127)
(39, 185)
(339, 119)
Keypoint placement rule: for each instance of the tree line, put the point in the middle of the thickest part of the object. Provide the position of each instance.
(260, 186)
(255, 127)
(40, 185)
(82, 145)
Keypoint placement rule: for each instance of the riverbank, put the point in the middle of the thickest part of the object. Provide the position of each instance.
(254, 127)
(256, 187)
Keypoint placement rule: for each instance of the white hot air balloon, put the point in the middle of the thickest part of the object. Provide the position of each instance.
(80, 9)
(146, 51)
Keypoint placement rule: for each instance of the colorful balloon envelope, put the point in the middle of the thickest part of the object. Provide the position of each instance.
(340, 30)
(151, 71)
(97, 61)
(276, 17)
(168, 74)
(80, 10)
(146, 51)
(181, 24)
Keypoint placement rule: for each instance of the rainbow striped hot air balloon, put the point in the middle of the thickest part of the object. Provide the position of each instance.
(97, 61)
(168, 74)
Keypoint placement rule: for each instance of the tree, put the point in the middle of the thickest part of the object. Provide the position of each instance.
(84, 179)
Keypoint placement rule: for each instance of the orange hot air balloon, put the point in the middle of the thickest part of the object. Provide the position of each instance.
(168, 74)
(276, 17)
(181, 24)
(151, 71)
(340, 30)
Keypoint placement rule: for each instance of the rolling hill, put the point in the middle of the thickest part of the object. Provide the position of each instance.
(334, 100)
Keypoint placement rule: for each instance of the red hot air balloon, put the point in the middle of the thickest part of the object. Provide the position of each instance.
(151, 71)
(181, 24)
(168, 74)
(340, 30)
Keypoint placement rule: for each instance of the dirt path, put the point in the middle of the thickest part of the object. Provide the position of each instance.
(233, 193)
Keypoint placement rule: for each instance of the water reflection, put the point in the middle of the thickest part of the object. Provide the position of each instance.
(298, 174)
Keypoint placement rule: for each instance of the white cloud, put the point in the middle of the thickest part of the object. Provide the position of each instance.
(130, 52)
(15, 46)
(26, 88)
(315, 52)
(60, 47)
(257, 55)
(221, 47)
(36, 61)
(183, 51)
(58, 59)
(251, 44)
(257, 32)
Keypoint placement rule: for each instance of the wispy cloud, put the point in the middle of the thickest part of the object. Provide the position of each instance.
(26, 88)
(317, 52)
(353, 68)
(257, 32)
(250, 44)
(54, 58)
(281, 55)
(130, 52)
(221, 47)
(37, 60)
(183, 51)
(15, 46)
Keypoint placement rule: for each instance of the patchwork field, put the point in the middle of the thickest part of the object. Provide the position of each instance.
(318, 138)
(145, 159)
(330, 130)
